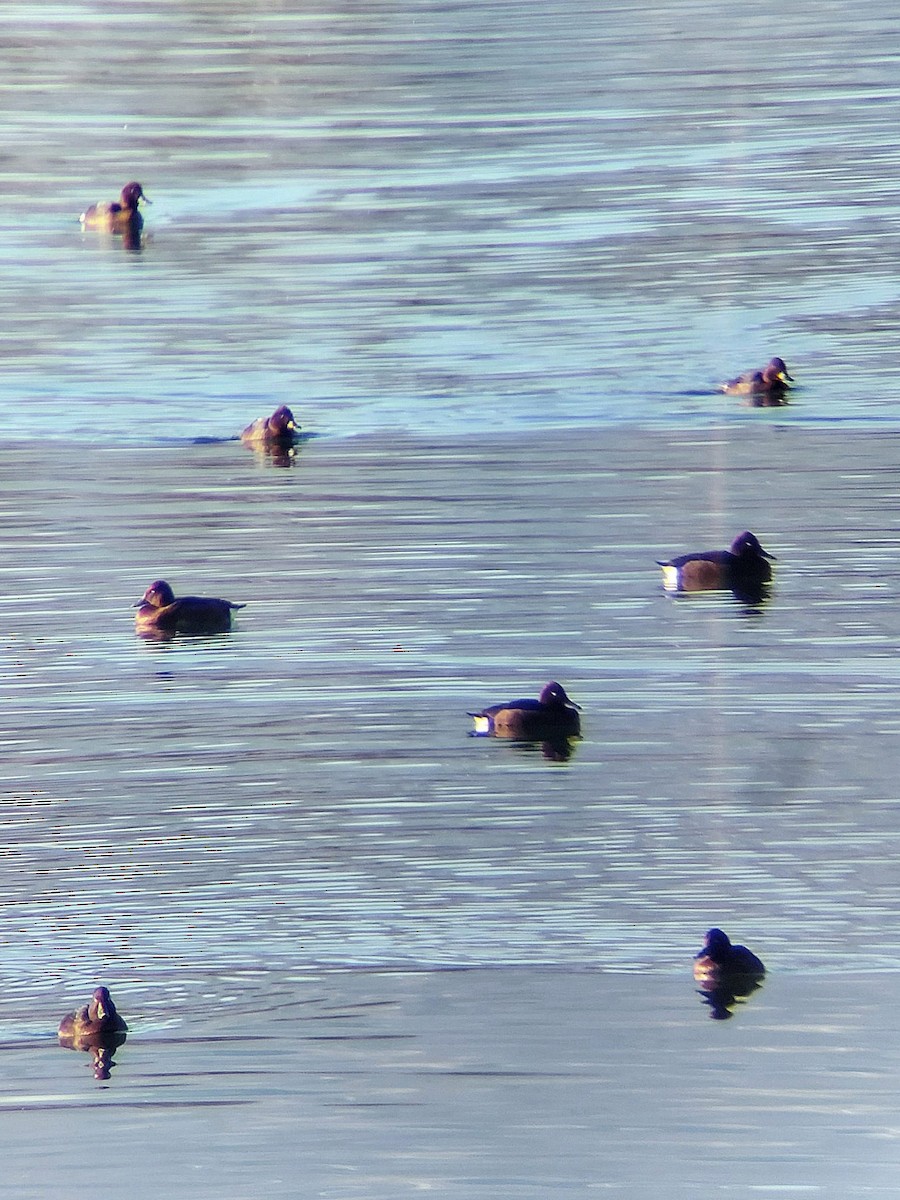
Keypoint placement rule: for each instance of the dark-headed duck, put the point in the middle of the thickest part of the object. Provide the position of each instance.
(97, 1020)
(160, 614)
(744, 568)
(279, 428)
(773, 378)
(116, 214)
(552, 716)
(721, 962)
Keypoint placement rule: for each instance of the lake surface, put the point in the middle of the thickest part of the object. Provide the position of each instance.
(496, 259)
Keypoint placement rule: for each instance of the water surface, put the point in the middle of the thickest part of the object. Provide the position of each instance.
(497, 259)
(434, 217)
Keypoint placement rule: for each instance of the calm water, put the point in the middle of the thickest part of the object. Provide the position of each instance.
(497, 257)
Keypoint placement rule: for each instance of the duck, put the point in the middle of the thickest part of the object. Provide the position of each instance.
(116, 214)
(548, 718)
(97, 1020)
(773, 378)
(744, 568)
(160, 614)
(280, 428)
(723, 964)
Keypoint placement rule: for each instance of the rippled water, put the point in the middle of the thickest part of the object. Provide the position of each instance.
(434, 217)
(496, 258)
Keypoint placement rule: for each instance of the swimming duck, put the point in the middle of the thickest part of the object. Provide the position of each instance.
(97, 1020)
(720, 962)
(280, 427)
(772, 378)
(744, 568)
(552, 716)
(116, 214)
(160, 614)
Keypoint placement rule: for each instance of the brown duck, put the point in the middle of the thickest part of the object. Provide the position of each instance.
(772, 378)
(116, 214)
(551, 716)
(159, 614)
(280, 428)
(97, 1020)
(743, 569)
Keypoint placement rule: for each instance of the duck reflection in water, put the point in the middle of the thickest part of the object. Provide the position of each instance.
(552, 720)
(96, 1029)
(274, 438)
(743, 569)
(133, 235)
(558, 750)
(727, 974)
(769, 398)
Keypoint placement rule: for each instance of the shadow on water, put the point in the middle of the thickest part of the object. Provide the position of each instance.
(557, 750)
(129, 233)
(101, 1048)
(276, 454)
(749, 600)
(772, 399)
(727, 994)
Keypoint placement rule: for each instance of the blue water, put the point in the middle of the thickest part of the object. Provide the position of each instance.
(499, 257)
(427, 223)
(440, 220)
